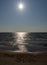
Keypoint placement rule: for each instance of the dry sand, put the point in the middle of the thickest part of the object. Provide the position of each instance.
(20, 58)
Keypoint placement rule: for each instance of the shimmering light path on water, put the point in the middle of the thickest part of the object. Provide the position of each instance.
(20, 41)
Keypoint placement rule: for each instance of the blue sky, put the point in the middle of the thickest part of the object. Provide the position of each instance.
(32, 19)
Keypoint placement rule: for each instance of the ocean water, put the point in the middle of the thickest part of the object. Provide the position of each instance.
(23, 41)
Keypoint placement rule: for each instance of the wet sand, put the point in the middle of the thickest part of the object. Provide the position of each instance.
(23, 58)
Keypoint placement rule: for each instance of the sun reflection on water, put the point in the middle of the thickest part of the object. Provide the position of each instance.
(21, 34)
(20, 41)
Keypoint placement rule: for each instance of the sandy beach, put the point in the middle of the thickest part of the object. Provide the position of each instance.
(23, 58)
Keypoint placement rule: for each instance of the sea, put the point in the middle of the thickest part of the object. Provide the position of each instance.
(23, 41)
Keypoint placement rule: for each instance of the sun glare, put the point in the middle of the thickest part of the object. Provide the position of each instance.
(21, 34)
(21, 6)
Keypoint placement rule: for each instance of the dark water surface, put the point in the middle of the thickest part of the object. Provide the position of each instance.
(23, 41)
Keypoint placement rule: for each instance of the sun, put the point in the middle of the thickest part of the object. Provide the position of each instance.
(21, 6)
